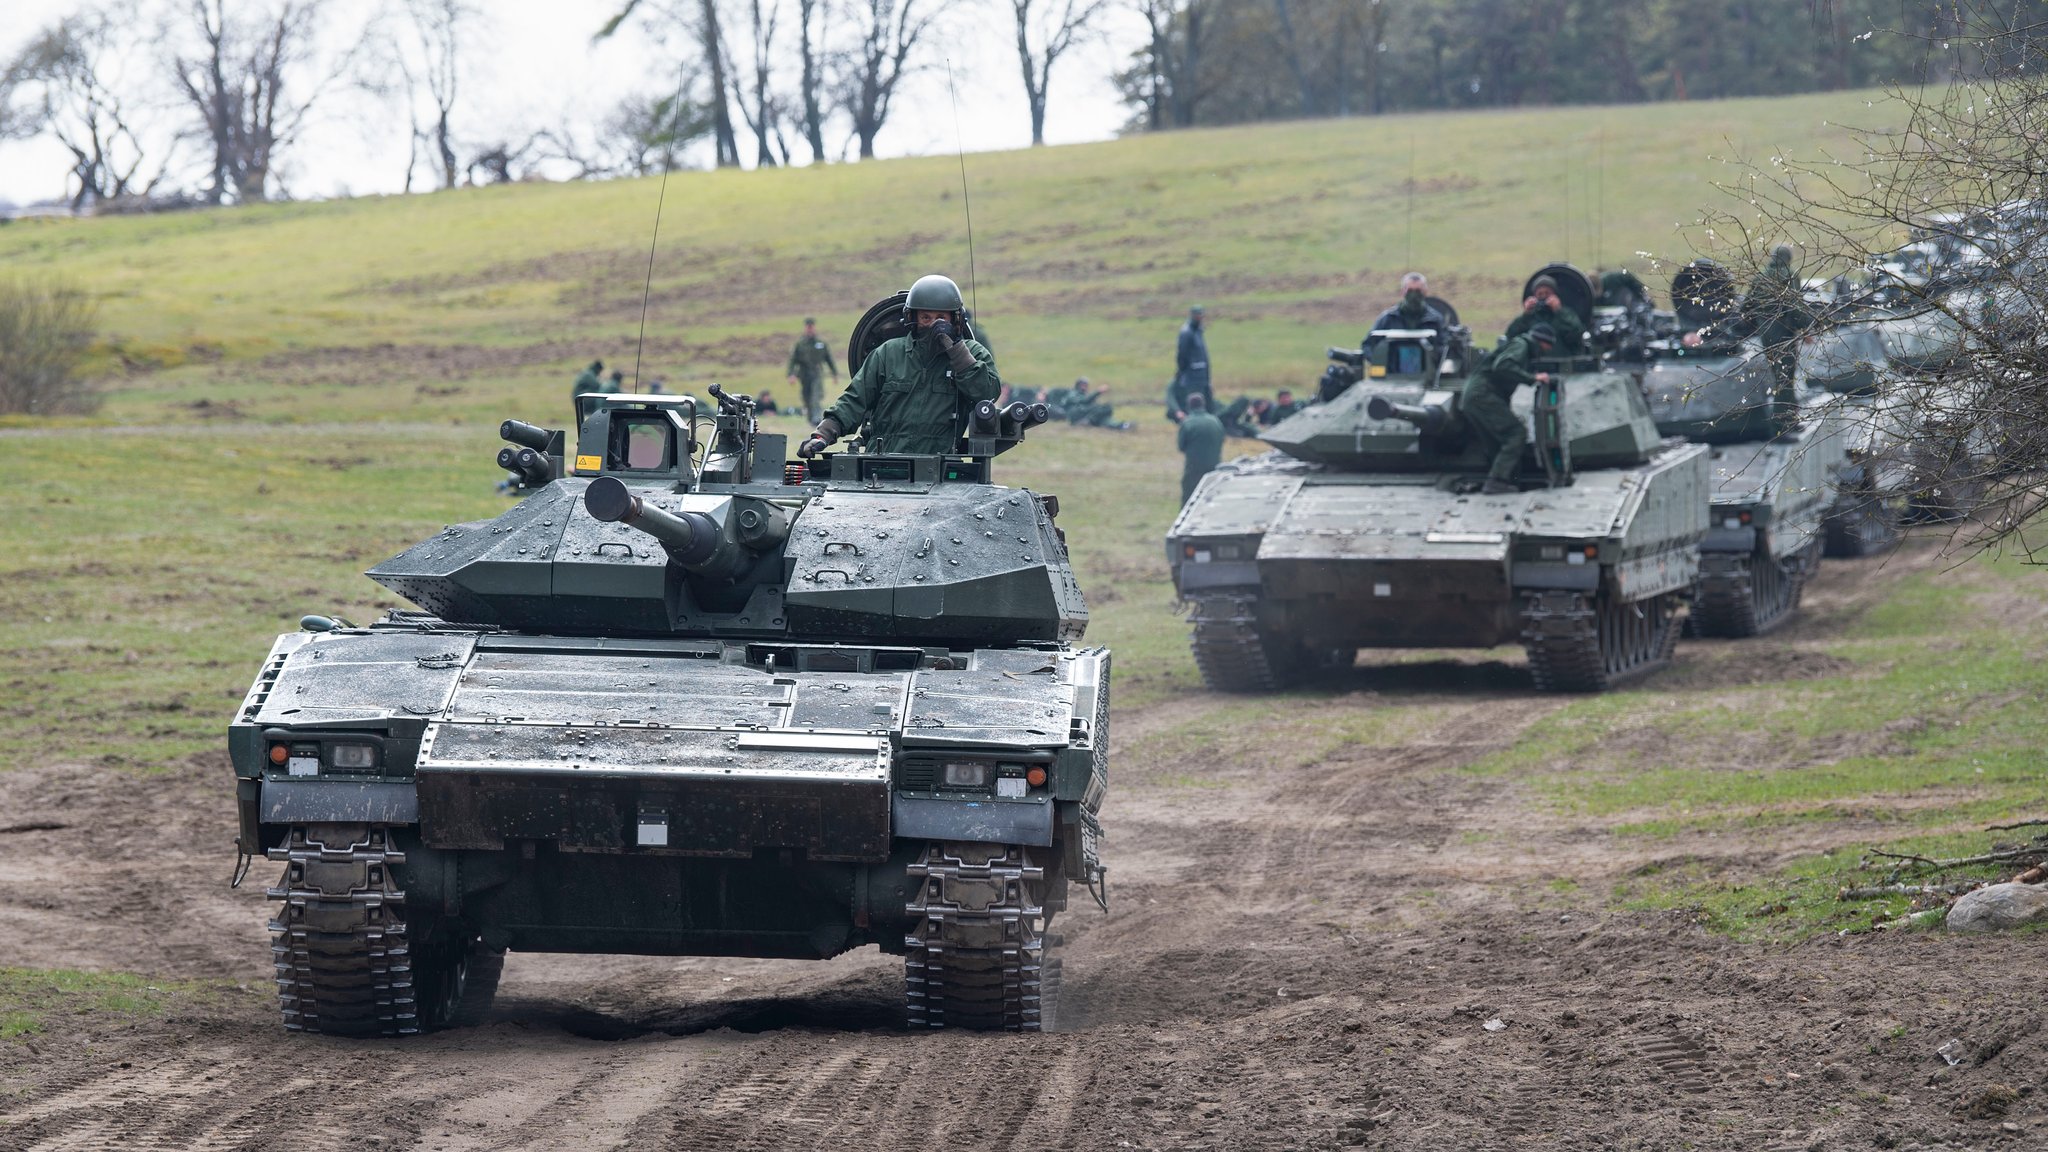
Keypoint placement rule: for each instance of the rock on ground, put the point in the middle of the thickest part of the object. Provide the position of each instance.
(1997, 906)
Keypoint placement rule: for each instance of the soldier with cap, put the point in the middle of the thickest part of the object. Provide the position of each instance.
(1201, 444)
(1414, 312)
(618, 380)
(909, 391)
(1776, 310)
(1190, 368)
(591, 379)
(1544, 306)
(805, 362)
(1484, 402)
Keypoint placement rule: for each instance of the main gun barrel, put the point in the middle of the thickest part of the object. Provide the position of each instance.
(690, 538)
(1431, 418)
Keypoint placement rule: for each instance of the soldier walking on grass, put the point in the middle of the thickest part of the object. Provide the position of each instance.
(591, 379)
(1201, 443)
(806, 362)
(1190, 368)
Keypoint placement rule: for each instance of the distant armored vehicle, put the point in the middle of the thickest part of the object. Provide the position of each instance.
(1364, 530)
(1771, 489)
(688, 699)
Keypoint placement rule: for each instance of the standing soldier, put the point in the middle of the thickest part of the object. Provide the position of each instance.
(1484, 402)
(804, 361)
(1201, 443)
(618, 380)
(1777, 311)
(1190, 368)
(591, 379)
(908, 391)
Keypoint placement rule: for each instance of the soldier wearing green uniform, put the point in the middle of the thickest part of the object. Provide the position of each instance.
(909, 391)
(1484, 402)
(1201, 445)
(805, 362)
(1776, 310)
(1284, 405)
(1190, 367)
(1545, 307)
(591, 379)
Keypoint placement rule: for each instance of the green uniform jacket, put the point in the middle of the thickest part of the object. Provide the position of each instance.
(909, 398)
(1571, 331)
(808, 360)
(1201, 441)
(587, 381)
(1506, 367)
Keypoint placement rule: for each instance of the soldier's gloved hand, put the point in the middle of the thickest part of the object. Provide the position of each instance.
(812, 446)
(958, 356)
(942, 330)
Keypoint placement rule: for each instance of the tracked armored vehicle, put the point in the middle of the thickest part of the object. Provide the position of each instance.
(1363, 530)
(1772, 487)
(687, 698)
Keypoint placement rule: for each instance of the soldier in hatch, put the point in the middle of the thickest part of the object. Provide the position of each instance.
(908, 391)
(1545, 307)
(1484, 402)
(1413, 313)
(1776, 309)
(805, 360)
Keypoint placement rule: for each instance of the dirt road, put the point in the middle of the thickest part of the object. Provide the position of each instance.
(1300, 956)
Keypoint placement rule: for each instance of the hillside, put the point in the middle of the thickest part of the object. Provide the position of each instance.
(1086, 257)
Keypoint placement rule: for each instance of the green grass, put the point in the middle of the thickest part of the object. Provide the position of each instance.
(30, 997)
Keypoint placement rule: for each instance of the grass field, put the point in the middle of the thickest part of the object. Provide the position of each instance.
(300, 390)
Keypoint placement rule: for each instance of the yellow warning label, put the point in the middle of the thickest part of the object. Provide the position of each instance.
(1376, 371)
(590, 464)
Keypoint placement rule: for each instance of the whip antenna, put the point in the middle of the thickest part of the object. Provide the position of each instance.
(960, 147)
(668, 161)
(1409, 258)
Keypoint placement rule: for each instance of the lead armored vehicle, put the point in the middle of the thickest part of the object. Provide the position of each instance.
(1773, 486)
(686, 698)
(1364, 529)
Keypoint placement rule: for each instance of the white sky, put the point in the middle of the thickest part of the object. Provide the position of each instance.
(538, 67)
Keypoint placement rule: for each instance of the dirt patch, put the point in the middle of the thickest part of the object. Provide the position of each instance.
(420, 364)
(1359, 946)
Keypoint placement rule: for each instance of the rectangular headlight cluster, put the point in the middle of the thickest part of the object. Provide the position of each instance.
(967, 774)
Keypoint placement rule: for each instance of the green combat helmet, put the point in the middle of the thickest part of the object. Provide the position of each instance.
(1362, 531)
(690, 697)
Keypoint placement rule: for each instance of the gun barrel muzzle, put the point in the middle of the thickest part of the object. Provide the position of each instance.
(1428, 417)
(690, 538)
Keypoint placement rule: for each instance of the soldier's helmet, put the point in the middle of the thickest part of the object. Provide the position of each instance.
(933, 294)
(1543, 334)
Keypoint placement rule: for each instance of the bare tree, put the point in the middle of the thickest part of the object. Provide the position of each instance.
(1966, 172)
(1174, 80)
(701, 18)
(643, 135)
(758, 106)
(244, 81)
(884, 52)
(1046, 29)
(438, 27)
(807, 13)
(69, 82)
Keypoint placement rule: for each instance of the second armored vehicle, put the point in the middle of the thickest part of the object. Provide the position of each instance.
(687, 699)
(1364, 530)
(1773, 485)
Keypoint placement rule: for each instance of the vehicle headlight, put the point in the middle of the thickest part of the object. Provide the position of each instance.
(968, 774)
(357, 756)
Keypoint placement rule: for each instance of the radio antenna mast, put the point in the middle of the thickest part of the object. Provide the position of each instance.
(668, 160)
(960, 147)
(1600, 209)
(1409, 257)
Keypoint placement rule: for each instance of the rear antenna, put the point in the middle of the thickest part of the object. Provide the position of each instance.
(960, 146)
(1567, 213)
(1600, 203)
(668, 160)
(1409, 259)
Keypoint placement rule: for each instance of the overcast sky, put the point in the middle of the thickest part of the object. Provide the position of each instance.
(538, 68)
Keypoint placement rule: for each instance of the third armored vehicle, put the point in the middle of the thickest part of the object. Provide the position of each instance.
(1363, 530)
(688, 699)
(1772, 486)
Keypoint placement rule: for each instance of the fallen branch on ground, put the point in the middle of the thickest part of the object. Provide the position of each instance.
(2031, 852)
(1876, 890)
(2010, 827)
